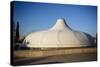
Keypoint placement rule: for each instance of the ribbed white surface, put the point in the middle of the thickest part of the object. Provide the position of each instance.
(60, 35)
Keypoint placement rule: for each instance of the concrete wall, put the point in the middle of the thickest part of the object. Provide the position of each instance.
(43, 53)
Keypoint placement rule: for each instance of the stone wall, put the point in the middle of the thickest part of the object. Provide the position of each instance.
(50, 52)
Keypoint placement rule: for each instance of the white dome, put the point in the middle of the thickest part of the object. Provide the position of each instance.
(60, 35)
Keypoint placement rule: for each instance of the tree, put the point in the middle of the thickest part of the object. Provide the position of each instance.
(17, 32)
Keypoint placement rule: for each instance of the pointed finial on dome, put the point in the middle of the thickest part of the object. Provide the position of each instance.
(60, 20)
(60, 24)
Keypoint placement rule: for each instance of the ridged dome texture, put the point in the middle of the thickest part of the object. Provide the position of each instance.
(59, 36)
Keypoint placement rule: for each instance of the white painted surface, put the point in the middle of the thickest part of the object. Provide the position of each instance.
(60, 35)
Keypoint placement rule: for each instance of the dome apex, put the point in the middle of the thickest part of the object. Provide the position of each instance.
(60, 24)
(59, 36)
(60, 20)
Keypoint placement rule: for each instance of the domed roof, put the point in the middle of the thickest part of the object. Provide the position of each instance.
(60, 35)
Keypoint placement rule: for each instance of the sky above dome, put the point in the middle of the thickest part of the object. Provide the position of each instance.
(34, 16)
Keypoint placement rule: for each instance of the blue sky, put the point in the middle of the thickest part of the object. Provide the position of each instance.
(40, 16)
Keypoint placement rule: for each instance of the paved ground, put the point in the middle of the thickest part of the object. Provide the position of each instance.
(62, 58)
(57, 59)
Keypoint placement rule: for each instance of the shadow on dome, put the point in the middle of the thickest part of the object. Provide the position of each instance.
(66, 24)
(91, 40)
(24, 45)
